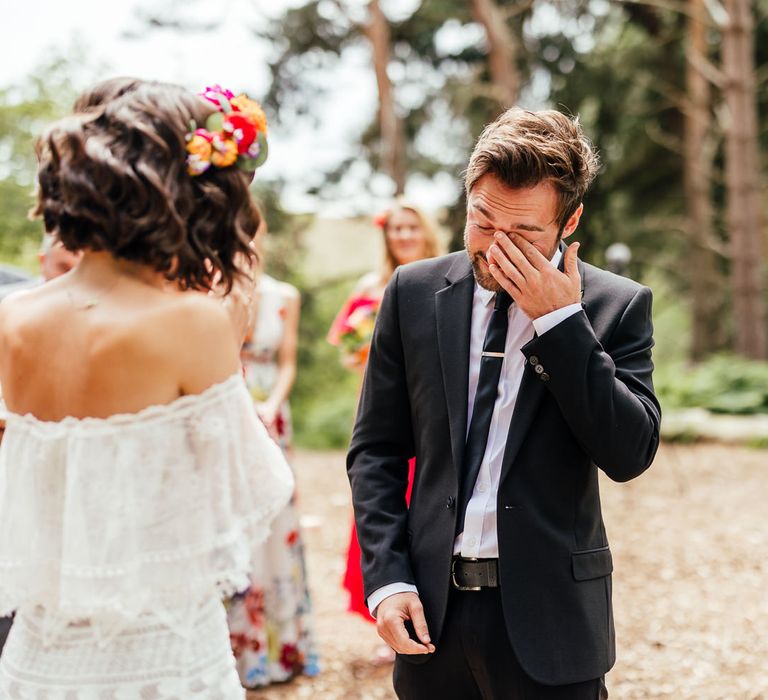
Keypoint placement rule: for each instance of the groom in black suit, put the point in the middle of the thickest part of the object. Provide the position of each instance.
(512, 371)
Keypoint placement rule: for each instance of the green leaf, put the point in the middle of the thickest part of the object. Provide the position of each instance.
(247, 164)
(263, 150)
(224, 102)
(215, 122)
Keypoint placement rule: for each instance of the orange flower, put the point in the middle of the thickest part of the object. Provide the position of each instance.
(224, 152)
(199, 159)
(252, 110)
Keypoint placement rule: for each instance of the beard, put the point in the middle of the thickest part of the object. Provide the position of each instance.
(480, 268)
(482, 275)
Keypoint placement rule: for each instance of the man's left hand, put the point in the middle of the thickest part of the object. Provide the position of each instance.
(535, 285)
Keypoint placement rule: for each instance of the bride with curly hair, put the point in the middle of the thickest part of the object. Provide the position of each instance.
(135, 475)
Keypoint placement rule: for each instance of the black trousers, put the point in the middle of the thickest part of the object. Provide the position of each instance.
(474, 660)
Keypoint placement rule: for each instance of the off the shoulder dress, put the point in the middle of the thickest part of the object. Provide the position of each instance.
(118, 538)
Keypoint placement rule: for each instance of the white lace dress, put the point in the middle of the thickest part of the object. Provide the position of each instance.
(119, 536)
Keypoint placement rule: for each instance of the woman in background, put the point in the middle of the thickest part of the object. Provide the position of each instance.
(408, 236)
(270, 622)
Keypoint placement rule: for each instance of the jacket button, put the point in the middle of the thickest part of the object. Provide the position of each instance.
(538, 369)
(450, 502)
(544, 377)
(533, 360)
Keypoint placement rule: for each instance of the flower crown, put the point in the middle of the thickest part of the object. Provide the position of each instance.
(236, 134)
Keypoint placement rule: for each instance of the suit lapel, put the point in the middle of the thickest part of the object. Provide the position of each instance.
(453, 312)
(529, 398)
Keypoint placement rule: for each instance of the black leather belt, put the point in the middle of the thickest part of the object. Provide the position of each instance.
(474, 574)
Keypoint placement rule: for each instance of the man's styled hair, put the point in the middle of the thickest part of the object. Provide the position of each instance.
(523, 149)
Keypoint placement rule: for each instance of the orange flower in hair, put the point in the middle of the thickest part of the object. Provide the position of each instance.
(200, 150)
(224, 152)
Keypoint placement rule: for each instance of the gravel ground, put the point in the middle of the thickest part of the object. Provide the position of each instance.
(690, 548)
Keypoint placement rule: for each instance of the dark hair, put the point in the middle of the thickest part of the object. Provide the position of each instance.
(524, 148)
(103, 92)
(114, 179)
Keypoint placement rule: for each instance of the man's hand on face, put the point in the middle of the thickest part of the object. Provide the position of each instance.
(391, 616)
(535, 285)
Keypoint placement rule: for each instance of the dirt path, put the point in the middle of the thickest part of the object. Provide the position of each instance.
(690, 547)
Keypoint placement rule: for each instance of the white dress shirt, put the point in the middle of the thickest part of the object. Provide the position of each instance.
(479, 538)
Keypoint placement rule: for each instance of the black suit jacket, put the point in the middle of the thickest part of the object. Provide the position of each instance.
(592, 407)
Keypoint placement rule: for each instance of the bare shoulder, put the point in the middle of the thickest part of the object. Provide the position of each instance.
(22, 310)
(194, 333)
(196, 322)
(196, 311)
(290, 293)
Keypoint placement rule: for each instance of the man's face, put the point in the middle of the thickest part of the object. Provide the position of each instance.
(529, 212)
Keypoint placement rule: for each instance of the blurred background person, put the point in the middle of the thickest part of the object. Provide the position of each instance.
(55, 259)
(408, 236)
(271, 622)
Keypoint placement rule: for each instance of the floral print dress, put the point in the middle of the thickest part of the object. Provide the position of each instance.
(270, 623)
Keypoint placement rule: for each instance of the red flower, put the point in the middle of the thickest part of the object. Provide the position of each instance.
(291, 658)
(361, 302)
(242, 130)
(238, 642)
(280, 425)
(254, 606)
(292, 537)
(380, 220)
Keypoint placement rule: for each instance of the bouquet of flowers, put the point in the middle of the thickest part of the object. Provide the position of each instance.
(353, 329)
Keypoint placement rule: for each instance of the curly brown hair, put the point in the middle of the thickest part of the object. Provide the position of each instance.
(114, 179)
(524, 148)
(105, 91)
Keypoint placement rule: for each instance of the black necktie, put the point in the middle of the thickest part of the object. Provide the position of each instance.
(485, 399)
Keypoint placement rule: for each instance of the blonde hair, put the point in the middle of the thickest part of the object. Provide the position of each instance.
(432, 244)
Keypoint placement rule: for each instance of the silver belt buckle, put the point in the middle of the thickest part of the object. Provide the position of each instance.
(455, 583)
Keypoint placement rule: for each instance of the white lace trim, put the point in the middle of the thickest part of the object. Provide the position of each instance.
(151, 512)
(176, 408)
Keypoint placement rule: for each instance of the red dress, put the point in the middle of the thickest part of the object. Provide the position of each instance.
(351, 331)
(353, 576)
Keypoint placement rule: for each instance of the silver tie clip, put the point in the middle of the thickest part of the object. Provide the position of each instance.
(492, 354)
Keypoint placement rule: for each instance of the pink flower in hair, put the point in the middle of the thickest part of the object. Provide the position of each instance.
(213, 92)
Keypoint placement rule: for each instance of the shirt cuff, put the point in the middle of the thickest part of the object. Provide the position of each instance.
(376, 598)
(547, 322)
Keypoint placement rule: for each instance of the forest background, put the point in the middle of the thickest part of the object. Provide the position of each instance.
(672, 92)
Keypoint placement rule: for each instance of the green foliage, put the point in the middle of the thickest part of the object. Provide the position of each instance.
(722, 384)
(324, 397)
(25, 111)
(625, 91)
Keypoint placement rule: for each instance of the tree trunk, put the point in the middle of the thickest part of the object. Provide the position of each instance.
(705, 282)
(742, 174)
(390, 124)
(502, 51)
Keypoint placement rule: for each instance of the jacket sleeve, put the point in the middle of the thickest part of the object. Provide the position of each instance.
(605, 394)
(382, 444)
